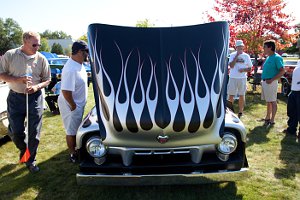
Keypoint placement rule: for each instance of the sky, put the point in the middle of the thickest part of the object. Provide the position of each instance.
(74, 16)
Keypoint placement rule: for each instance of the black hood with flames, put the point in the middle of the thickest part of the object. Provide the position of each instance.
(159, 79)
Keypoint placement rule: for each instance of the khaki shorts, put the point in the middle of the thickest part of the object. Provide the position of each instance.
(269, 91)
(237, 86)
(71, 119)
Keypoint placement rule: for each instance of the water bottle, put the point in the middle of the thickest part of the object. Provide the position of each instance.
(28, 71)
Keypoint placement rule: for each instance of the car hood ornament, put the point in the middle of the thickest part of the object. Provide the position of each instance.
(162, 139)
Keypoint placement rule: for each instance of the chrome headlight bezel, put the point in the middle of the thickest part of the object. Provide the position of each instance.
(95, 147)
(228, 144)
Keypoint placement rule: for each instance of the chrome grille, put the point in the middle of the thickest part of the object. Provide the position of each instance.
(161, 152)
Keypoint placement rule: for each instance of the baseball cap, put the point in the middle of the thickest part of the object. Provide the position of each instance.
(79, 45)
(239, 43)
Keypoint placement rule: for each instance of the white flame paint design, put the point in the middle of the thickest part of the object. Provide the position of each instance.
(111, 101)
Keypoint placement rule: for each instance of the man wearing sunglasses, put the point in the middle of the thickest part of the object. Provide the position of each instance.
(73, 95)
(25, 97)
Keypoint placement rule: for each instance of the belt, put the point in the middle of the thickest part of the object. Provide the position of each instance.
(13, 92)
(267, 79)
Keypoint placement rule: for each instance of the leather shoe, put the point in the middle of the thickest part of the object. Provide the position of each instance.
(33, 168)
(288, 133)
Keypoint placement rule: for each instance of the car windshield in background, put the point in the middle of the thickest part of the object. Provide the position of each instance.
(58, 61)
(290, 63)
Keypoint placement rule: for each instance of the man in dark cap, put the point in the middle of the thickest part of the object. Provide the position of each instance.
(73, 96)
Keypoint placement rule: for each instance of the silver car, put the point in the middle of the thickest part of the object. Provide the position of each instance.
(160, 116)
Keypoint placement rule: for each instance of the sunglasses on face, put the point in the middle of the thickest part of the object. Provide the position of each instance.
(36, 45)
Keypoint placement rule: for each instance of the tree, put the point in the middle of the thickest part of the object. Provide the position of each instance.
(55, 35)
(144, 24)
(45, 46)
(67, 51)
(84, 38)
(57, 48)
(10, 35)
(255, 21)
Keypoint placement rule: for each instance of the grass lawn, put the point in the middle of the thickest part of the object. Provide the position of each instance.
(273, 158)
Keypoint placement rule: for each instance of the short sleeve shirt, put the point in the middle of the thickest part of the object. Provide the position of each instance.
(296, 78)
(74, 79)
(272, 66)
(14, 63)
(243, 61)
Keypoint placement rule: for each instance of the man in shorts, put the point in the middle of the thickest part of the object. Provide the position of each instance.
(240, 63)
(73, 96)
(273, 69)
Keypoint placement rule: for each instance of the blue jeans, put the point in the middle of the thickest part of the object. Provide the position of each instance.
(16, 109)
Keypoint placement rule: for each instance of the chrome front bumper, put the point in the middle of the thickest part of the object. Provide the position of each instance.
(161, 179)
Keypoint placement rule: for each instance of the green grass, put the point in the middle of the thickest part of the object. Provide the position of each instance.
(273, 158)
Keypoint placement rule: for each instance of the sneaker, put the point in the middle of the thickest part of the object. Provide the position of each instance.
(33, 168)
(73, 158)
(267, 122)
(240, 115)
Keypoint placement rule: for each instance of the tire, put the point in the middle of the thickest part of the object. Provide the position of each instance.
(285, 88)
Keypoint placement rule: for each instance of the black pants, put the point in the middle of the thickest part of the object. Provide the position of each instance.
(16, 109)
(293, 111)
(52, 102)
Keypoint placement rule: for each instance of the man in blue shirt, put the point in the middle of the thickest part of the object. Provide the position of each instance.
(273, 69)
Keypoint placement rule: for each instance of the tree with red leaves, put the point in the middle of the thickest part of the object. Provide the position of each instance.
(255, 21)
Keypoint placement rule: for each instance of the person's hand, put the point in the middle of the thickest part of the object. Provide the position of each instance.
(73, 107)
(25, 80)
(32, 89)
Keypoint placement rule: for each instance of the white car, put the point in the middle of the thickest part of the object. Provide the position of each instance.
(3, 108)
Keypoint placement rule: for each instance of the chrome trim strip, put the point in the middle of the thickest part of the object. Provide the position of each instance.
(161, 179)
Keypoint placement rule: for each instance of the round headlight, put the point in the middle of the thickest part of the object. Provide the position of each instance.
(95, 147)
(228, 144)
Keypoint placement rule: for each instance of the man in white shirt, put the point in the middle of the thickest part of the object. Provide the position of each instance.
(293, 105)
(73, 96)
(240, 63)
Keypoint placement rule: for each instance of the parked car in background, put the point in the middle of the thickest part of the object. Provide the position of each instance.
(286, 79)
(57, 64)
(3, 109)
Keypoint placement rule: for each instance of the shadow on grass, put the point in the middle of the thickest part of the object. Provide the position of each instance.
(4, 140)
(258, 135)
(47, 114)
(290, 150)
(57, 180)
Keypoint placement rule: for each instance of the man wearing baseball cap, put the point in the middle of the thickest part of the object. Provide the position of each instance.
(240, 63)
(73, 96)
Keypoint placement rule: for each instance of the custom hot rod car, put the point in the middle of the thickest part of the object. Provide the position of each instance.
(160, 114)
